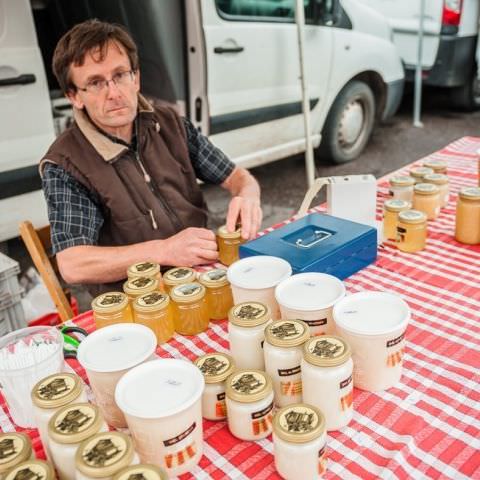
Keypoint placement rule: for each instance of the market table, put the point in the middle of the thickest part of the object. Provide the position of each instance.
(428, 426)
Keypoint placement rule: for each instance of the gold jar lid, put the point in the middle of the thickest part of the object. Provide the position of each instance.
(222, 232)
(426, 189)
(287, 333)
(470, 193)
(216, 366)
(214, 278)
(140, 285)
(248, 386)
(436, 179)
(57, 390)
(151, 302)
(326, 351)
(402, 181)
(188, 292)
(142, 471)
(420, 172)
(143, 269)
(299, 423)
(109, 302)
(31, 469)
(74, 423)
(412, 216)
(104, 454)
(15, 448)
(436, 165)
(394, 205)
(249, 314)
(178, 275)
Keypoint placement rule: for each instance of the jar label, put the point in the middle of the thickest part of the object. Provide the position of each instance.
(30, 471)
(291, 389)
(324, 348)
(178, 458)
(216, 275)
(213, 365)
(154, 298)
(262, 420)
(250, 311)
(188, 290)
(286, 372)
(263, 412)
(181, 436)
(394, 359)
(299, 420)
(56, 388)
(10, 447)
(179, 273)
(104, 451)
(248, 383)
(143, 267)
(221, 396)
(346, 401)
(140, 282)
(346, 382)
(220, 406)
(111, 299)
(395, 341)
(316, 323)
(75, 420)
(286, 330)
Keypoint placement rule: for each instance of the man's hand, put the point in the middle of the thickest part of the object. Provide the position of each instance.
(246, 211)
(192, 246)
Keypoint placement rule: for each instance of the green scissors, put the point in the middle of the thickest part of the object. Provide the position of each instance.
(71, 343)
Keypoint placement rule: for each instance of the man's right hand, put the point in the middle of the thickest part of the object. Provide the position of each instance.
(192, 246)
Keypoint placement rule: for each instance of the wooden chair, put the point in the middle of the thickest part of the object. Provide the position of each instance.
(38, 243)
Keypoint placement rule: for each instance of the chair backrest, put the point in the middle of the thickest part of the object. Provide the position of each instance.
(38, 243)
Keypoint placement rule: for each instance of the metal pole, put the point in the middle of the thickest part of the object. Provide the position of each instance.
(309, 160)
(417, 100)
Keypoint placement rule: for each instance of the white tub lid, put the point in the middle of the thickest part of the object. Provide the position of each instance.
(371, 313)
(159, 388)
(259, 271)
(309, 291)
(116, 347)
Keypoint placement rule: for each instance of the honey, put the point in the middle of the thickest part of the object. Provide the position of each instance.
(228, 243)
(219, 293)
(178, 276)
(411, 231)
(190, 308)
(391, 209)
(417, 173)
(110, 308)
(426, 198)
(155, 312)
(441, 181)
(401, 188)
(137, 286)
(467, 220)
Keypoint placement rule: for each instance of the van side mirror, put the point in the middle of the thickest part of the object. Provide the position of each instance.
(326, 12)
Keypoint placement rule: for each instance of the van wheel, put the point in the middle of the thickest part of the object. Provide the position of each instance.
(467, 97)
(349, 123)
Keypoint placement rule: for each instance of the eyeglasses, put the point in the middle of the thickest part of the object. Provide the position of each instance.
(100, 85)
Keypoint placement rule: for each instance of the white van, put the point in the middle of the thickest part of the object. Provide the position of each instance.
(231, 66)
(451, 50)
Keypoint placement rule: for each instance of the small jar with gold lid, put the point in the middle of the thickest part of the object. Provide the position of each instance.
(417, 173)
(103, 455)
(426, 198)
(411, 231)
(438, 166)
(391, 209)
(283, 350)
(246, 333)
(154, 311)
(467, 220)
(249, 404)
(327, 369)
(142, 471)
(52, 393)
(299, 433)
(31, 469)
(69, 427)
(228, 244)
(178, 276)
(145, 269)
(219, 293)
(110, 308)
(215, 367)
(135, 287)
(190, 308)
(16, 449)
(401, 188)
(441, 181)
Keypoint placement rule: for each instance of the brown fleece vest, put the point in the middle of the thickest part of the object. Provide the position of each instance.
(135, 210)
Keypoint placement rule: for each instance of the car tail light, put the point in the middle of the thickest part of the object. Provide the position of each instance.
(452, 11)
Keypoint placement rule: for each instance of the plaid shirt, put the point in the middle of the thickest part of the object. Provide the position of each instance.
(75, 213)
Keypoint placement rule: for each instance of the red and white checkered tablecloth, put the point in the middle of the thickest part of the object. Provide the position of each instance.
(426, 427)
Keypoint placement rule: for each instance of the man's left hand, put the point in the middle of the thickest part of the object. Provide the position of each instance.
(246, 211)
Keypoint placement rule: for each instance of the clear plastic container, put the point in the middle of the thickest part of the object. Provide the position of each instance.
(190, 308)
(426, 198)
(178, 276)
(467, 220)
(401, 188)
(228, 244)
(27, 356)
(391, 209)
(411, 231)
(219, 293)
(16, 448)
(111, 308)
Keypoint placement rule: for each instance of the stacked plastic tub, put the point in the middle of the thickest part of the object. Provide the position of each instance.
(12, 316)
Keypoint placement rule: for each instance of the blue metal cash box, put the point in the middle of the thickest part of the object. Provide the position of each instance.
(319, 243)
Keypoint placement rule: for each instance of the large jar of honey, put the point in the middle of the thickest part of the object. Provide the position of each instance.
(110, 308)
(178, 276)
(426, 198)
(190, 308)
(135, 287)
(228, 243)
(154, 311)
(411, 231)
(219, 293)
(467, 221)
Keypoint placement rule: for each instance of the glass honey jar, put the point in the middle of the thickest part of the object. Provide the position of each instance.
(417, 173)
(411, 231)
(467, 220)
(110, 308)
(145, 269)
(228, 243)
(135, 287)
(438, 166)
(401, 188)
(155, 312)
(178, 276)
(426, 198)
(391, 209)
(190, 308)
(219, 293)
(441, 181)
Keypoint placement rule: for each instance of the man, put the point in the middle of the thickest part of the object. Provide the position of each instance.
(120, 184)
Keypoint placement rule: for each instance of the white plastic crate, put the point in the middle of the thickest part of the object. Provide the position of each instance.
(9, 270)
(12, 318)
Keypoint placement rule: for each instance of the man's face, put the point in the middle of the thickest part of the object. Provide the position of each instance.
(114, 107)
